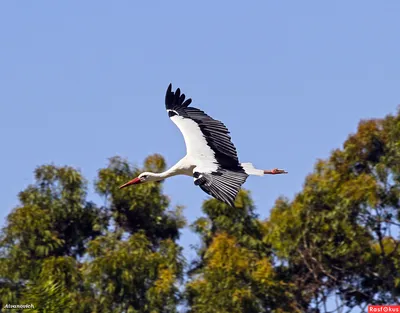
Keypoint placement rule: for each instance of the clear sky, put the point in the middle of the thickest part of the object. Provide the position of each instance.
(82, 81)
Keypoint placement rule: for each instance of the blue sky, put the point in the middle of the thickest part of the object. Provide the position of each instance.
(82, 81)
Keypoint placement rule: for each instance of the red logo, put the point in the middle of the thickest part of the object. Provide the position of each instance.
(384, 308)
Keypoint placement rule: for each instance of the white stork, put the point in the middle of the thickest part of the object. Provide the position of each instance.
(211, 157)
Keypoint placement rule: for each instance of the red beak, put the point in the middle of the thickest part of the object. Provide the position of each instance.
(131, 182)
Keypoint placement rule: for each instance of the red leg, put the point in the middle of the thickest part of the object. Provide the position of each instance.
(275, 171)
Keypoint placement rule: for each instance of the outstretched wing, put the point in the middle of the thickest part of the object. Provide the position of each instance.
(223, 185)
(206, 139)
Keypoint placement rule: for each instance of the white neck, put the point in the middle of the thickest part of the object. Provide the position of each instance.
(182, 167)
(168, 173)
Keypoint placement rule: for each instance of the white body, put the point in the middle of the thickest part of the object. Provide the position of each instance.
(187, 165)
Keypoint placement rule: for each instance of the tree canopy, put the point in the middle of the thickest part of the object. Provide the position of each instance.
(340, 235)
(335, 245)
(61, 252)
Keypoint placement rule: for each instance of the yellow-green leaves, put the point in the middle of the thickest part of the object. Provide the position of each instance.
(338, 232)
(235, 272)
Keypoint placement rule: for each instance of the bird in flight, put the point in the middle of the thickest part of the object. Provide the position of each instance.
(211, 158)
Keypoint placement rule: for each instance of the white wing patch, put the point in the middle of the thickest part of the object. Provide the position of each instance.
(197, 148)
(173, 111)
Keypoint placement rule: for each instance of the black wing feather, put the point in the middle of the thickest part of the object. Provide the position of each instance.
(223, 185)
(174, 100)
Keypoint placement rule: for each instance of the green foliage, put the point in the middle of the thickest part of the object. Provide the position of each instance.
(131, 276)
(53, 222)
(54, 288)
(235, 272)
(136, 267)
(64, 254)
(142, 207)
(339, 233)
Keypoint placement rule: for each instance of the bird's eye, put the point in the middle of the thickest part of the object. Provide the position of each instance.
(144, 176)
